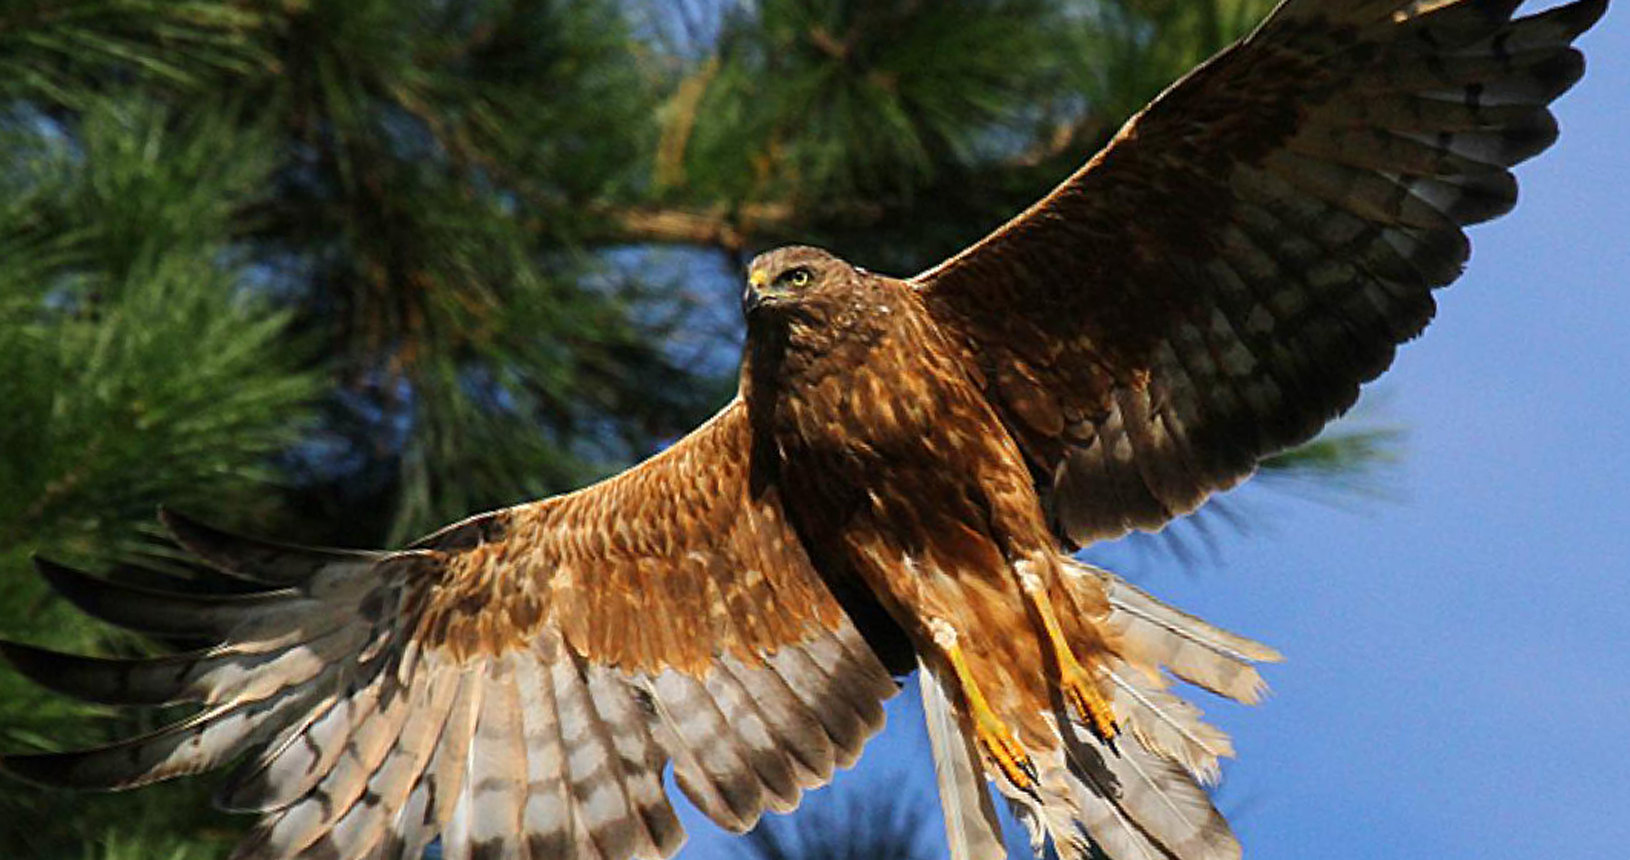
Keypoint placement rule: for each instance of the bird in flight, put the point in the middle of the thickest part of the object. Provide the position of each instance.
(899, 484)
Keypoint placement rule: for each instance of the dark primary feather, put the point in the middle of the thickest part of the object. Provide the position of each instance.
(157, 681)
(161, 613)
(262, 561)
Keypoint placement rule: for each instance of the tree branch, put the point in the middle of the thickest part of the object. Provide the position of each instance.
(730, 229)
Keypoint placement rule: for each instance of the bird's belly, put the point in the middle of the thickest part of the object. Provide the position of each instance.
(933, 533)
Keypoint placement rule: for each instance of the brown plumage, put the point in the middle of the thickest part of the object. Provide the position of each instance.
(899, 482)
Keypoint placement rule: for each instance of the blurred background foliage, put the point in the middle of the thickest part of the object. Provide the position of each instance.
(339, 271)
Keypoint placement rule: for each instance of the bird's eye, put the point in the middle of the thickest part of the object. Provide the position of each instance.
(796, 278)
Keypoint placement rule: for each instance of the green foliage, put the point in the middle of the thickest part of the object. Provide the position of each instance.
(135, 360)
(57, 51)
(852, 98)
(138, 363)
(1345, 460)
(141, 846)
(1136, 48)
(340, 271)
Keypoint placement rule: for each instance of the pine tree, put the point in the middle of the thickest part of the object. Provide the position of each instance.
(339, 271)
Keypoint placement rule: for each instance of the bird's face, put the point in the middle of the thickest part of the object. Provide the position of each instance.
(785, 277)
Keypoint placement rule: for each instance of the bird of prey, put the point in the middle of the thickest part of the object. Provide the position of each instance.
(900, 482)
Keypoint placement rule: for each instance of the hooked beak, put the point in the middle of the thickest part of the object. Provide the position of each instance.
(757, 293)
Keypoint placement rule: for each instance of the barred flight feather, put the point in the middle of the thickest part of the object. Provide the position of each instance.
(369, 739)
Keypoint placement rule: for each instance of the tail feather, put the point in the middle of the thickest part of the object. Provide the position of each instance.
(1146, 802)
(971, 828)
(1057, 811)
(1128, 801)
(1170, 726)
(1154, 634)
(1142, 795)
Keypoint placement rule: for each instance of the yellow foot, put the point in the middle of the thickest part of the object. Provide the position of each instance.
(1086, 699)
(1081, 689)
(1005, 750)
(992, 735)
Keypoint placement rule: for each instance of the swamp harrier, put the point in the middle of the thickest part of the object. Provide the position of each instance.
(899, 483)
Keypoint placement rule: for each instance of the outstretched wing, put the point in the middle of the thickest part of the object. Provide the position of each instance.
(1215, 285)
(514, 684)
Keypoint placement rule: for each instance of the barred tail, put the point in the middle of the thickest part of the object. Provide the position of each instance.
(1141, 795)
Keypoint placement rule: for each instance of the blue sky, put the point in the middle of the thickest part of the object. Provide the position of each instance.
(1458, 673)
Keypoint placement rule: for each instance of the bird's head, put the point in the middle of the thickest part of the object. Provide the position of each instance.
(786, 277)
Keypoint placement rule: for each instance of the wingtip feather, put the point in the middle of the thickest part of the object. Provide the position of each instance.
(93, 596)
(90, 679)
(252, 558)
(1576, 17)
(29, 767)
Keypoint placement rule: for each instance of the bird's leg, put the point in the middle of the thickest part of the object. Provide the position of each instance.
(992, 735)
(1079, 685)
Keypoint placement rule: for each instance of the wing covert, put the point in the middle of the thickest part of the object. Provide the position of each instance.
(1215, 284)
